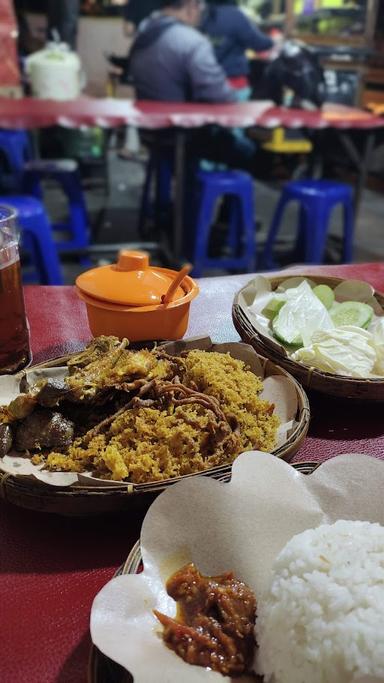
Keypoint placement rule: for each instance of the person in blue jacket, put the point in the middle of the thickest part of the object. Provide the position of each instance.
(231, 34)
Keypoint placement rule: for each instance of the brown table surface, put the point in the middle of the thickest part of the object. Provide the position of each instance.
(52, 567)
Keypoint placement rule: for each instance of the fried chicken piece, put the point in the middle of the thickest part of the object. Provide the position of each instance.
(94, 350)
(22, 406)
(118, 368)
(123, 370)
(52, 392)
(43, 429)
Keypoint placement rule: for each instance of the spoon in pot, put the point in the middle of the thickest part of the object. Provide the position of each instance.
(167, 297)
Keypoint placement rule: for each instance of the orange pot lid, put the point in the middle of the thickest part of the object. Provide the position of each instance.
(130, 282)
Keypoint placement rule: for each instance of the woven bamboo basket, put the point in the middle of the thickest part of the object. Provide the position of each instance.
(89, 500)
(102, 669)
(338, 386)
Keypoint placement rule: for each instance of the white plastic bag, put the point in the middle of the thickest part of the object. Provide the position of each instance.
(55, 73)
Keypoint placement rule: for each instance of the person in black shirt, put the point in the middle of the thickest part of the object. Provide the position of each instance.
(135, 11)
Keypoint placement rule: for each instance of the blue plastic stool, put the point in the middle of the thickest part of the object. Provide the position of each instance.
(36, 238)
(237, 188)
(65, 172)
(15, 146)
(316, 198)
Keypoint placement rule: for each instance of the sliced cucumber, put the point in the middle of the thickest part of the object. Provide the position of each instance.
(285, 334)
(325, 294)
(354, 290)
(272, 308)
(334, 307)
(352, 313)
(293, 282)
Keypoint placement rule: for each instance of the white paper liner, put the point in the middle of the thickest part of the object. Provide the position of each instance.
(9, 388)
(239, 527)
(22, 466)
(278, 389)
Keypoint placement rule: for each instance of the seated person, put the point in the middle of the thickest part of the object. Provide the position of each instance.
(171, 61)
(232, 34)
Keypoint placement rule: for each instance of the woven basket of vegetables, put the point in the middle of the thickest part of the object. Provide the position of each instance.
(327, 332)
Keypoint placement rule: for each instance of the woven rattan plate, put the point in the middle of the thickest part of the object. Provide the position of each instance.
(337, 386)
(86, 500)
(101, 668)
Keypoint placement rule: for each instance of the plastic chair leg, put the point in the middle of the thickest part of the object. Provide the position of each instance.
(192, 194)
(316, 234)
(31, 246)
(31, 185)
(301, 237)
(268, 260)
(348, 232)
(44, 251)
(17, 148)
(203, 227)
(248, 232)
(78, 223)
(235, 217)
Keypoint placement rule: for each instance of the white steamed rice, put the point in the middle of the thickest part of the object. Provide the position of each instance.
(322, 620)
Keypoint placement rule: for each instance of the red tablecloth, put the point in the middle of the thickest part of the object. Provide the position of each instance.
(33, 113)
(51, 567)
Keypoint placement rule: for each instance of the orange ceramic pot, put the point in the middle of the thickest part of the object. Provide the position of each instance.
(125, 299)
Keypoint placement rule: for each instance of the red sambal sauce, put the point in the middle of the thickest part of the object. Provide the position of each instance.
(215, 621)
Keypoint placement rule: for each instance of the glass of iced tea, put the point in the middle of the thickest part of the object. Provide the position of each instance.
(14, 331)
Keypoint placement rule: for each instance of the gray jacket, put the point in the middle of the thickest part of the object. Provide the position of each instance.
(172, 62)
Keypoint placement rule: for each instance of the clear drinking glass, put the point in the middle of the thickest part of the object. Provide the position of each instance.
(14, 330)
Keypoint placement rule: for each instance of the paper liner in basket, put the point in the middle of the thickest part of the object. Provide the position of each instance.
(277, 389)
(239, 527)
